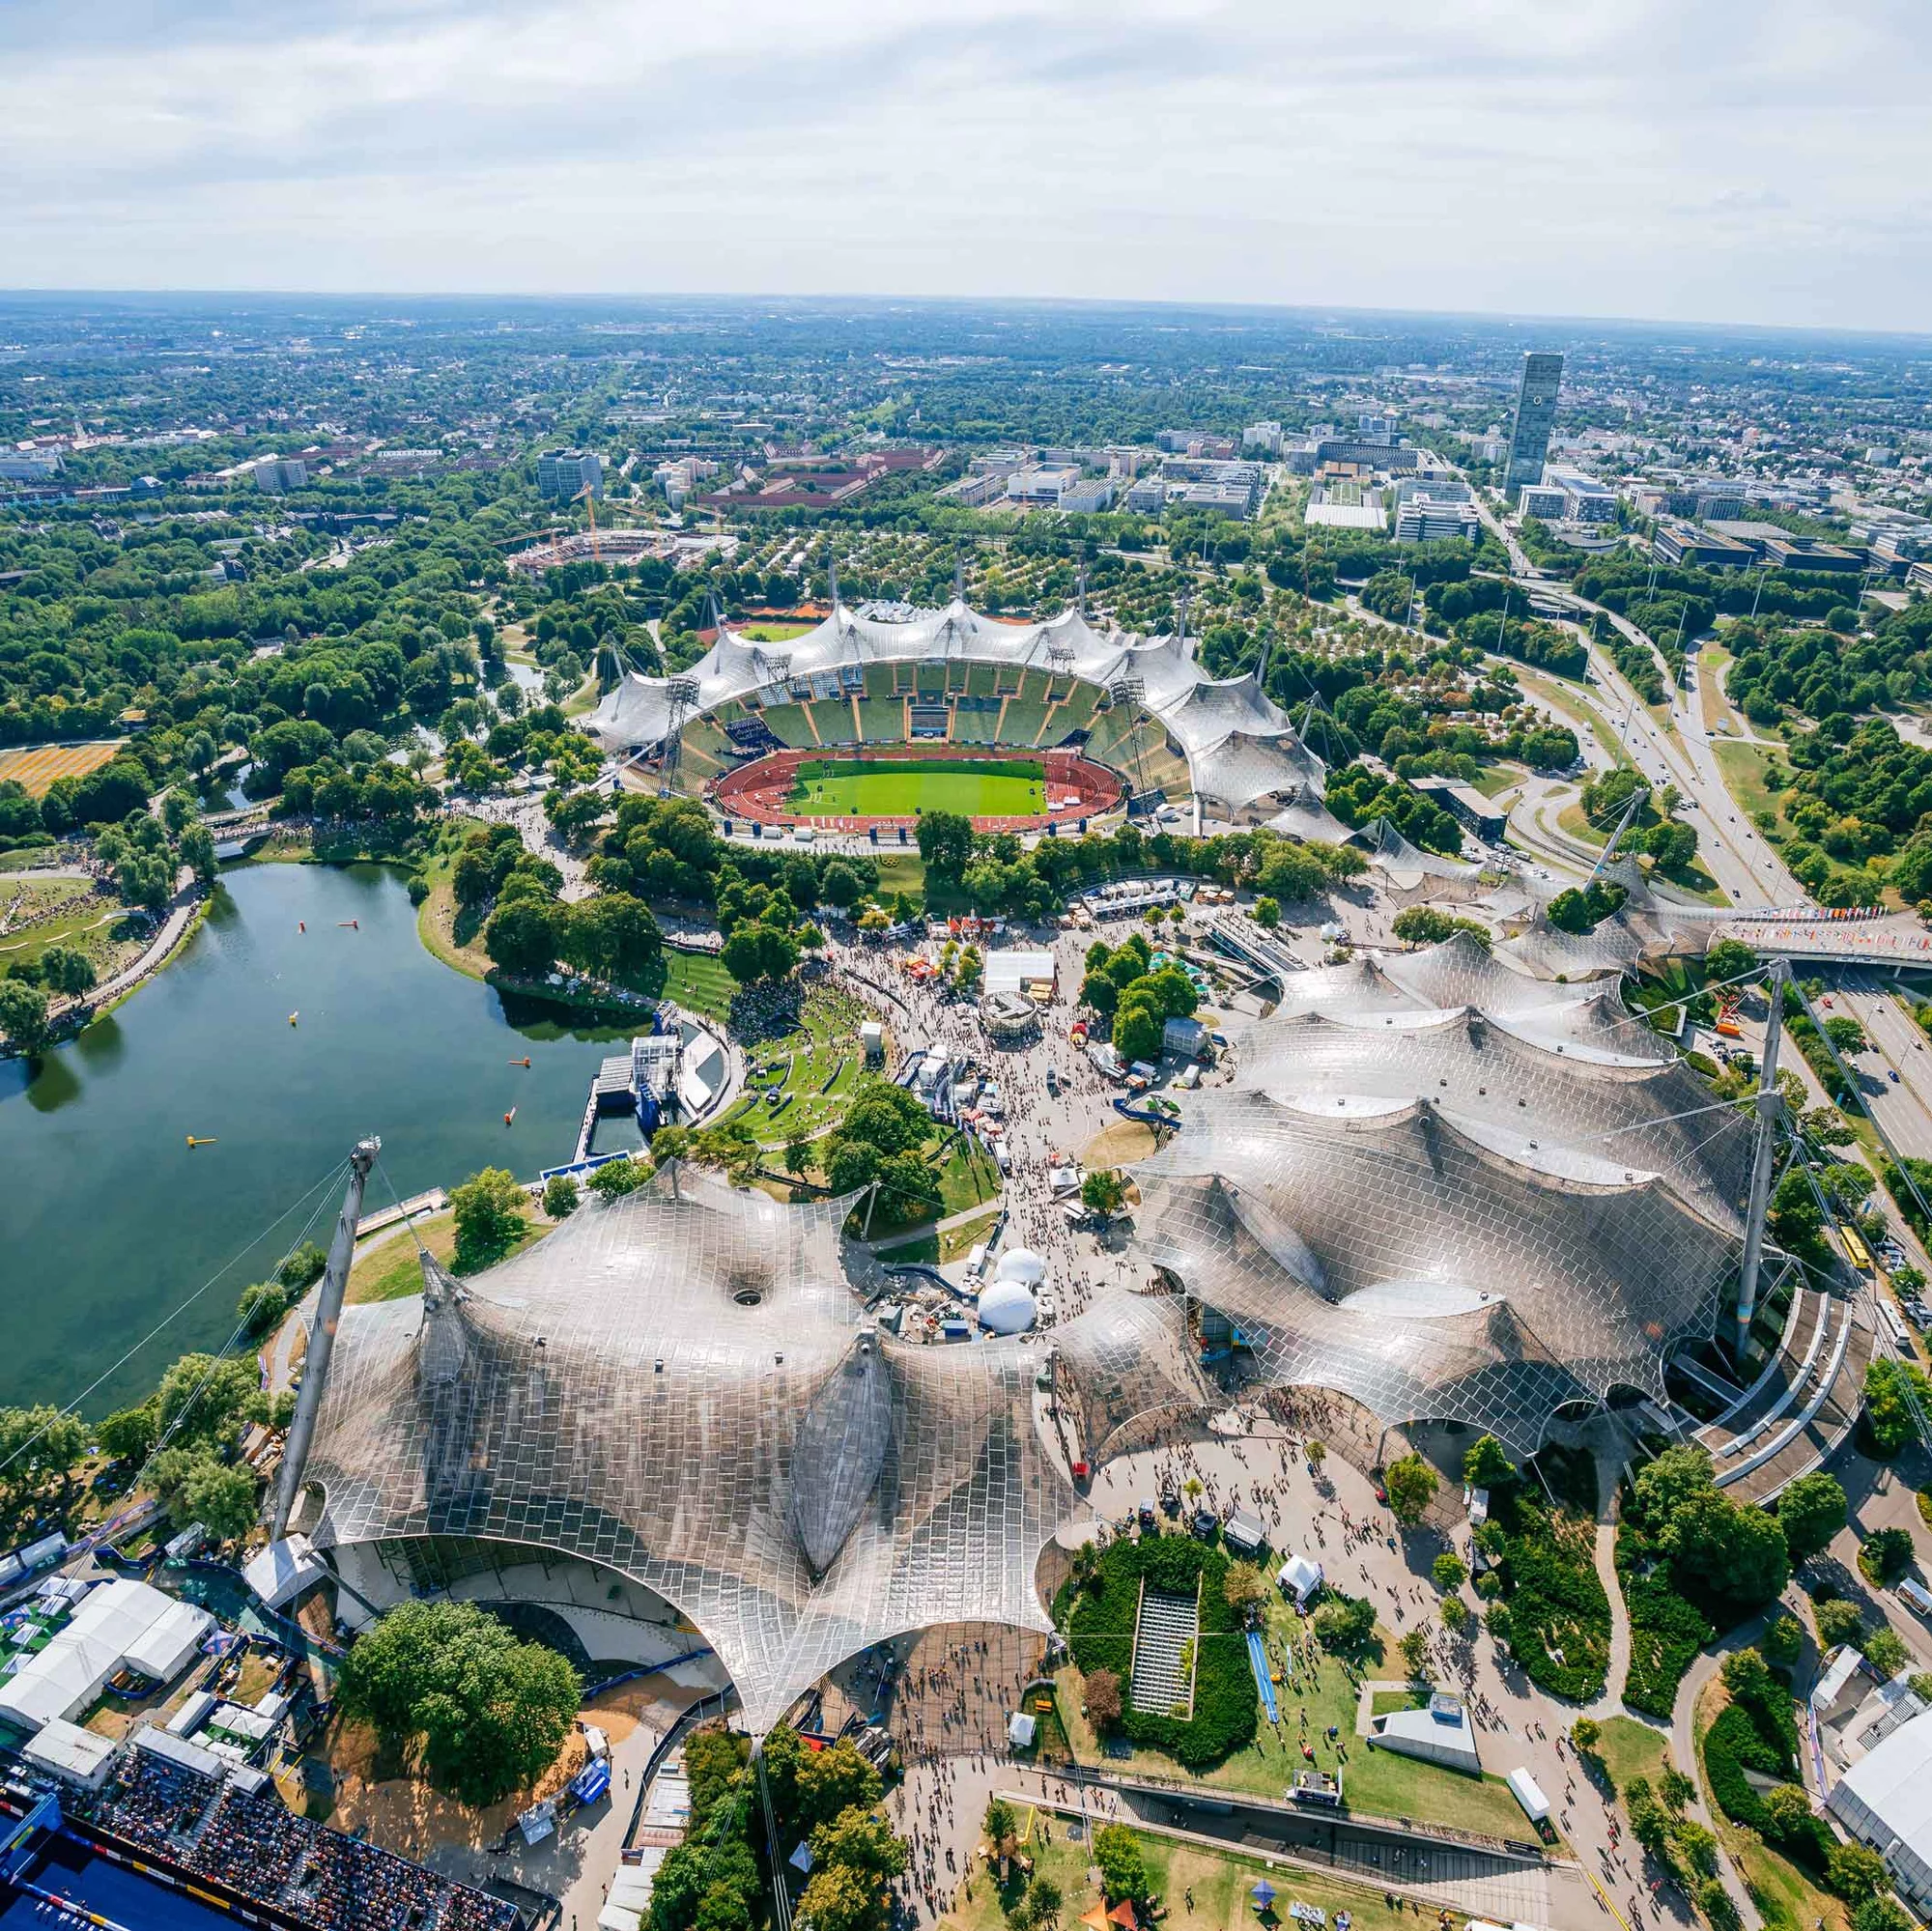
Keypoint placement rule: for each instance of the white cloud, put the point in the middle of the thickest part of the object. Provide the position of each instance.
(1763, 162)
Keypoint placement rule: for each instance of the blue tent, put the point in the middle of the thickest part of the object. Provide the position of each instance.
(1263, 1894)
(592, 1781)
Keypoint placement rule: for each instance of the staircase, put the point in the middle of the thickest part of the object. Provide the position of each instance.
(1167, 1624)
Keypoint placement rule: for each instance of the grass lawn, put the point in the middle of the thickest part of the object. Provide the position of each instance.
(968, 1177)
(1218, 1883)
(902, 872)
(106, 931)
(854, 789)
(1630, 1750)
(1568, 701)
(1743, 767)
(813, 1070)
(956, 1241)
(770, 630)
(38, 766)
(1716, 712)
(1378, 1781)
(699, 980)
(386, 1267)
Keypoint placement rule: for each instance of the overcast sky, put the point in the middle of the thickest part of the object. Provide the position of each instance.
(1709, 159)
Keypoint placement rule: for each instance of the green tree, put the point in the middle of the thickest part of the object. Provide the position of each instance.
(834, 1780)
(197, 853)
(1586, 1733)
(1782, 1641)
(1103, 1192)
(489, 1211)
(1888, 1426)
(1456, 1614)
(839, 1898)
(946, 844)
(1267, 913)
(1344, 1624)
(24, 1016)
(559, 1196)
(1044, 1902)
(1422, 925)
(1837, 1623)
(522, 936)
(615, 1178)
(218, 1495)
(262, 1306)
(303, 1267)
(1885, 1556)
(1881, 1914)
(203, 1400)
(1855, 1873)
(1729, 959)
(861, 1841)
(1117, 1851)
(1245, 1586)
(1485, 1466)
(488, 1712)
(1137, 1034)
(1450, 1572)
(1410, 1485)
(999, 1826)
(1720, 1909)
(1884, 1650)
(1810, 1512)
(1103, 1699)
(128, 1434)
(67, 969)
(38, 1445)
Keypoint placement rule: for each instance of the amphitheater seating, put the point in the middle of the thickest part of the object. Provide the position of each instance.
(1075, 713)
(707, 753)
(835, 721)
(882, 719)
(1110, 734)
(790, 724)
(1022, 720)
(975, 727)
(980, 679)
(881, 680)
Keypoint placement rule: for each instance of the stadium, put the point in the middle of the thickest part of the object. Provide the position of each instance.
(1021, 725)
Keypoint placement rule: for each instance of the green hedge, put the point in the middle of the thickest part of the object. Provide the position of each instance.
(1554, 1596)
(1098, 1617)
(1667, 1630)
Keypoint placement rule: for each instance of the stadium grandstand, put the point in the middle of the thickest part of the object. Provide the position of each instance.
(1142, 706)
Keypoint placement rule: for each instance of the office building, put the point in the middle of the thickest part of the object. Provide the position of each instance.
(1426, 517)
(564, 474)
(29, 466)
(1684, 543)
(1148, 496)
(1375, 428)
(279, 476)
(1585, 499)
(1088, 494)
(1346, 506)
(1545, 500)
(1042, 485)
(1535, 418)
(1265, 437)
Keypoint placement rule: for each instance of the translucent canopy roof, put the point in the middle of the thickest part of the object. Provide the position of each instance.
(681, 1384)
(1240, 745)
(1454, 1193)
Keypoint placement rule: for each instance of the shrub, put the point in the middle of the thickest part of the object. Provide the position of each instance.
(1884, 1556)
(1837, 1623)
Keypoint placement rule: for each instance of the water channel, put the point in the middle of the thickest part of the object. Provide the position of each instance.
(109, 1219)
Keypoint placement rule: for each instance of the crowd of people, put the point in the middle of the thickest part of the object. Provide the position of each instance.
(256, 1848)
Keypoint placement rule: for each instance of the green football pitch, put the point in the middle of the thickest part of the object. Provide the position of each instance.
(994, 787)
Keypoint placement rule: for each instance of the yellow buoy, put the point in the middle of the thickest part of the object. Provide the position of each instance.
(293, 1017)
(207, 1141)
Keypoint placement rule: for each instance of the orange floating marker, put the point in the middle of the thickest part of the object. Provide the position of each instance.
(301, 925)
(354, 924)
(509, 1116)
(519, 1062)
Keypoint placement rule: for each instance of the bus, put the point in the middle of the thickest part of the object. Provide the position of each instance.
(1856, 1251)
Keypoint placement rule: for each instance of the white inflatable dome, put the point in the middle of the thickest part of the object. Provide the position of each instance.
(1007, 1307)
(1022, 1264)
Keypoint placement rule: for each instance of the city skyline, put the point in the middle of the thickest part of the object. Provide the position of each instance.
(1732, 169)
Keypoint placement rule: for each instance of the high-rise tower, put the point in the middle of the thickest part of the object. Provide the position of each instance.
(1535, 416)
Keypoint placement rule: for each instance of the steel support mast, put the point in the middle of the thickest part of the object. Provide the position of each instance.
(1770, 1111)
(322, 1337)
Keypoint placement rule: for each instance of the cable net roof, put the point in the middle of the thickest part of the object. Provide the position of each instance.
(680, 1385)
(1453, 1192)
(1240, 745)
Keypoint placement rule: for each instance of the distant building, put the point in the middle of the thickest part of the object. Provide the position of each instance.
(1535, 418)
(1426, 518)
(1444, 489)
(1375, 428)
(1586, 498)
(1805, 553)
(1705, 549)
(1040, 486)
(281, 474)
(1148, 496)
(564, 474)
(1482, 814)
(1346, 506)
(29, 466)
(1393, 457)
(973, 490)
(1087, 496)
(1262, 436)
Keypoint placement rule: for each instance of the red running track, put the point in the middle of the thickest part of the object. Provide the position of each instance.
(758, 791)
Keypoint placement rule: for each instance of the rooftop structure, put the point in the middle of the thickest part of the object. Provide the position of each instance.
(1885, 1799)
(1454, 1193)
(682, 1386)
(1239, 747)
(122, 1625)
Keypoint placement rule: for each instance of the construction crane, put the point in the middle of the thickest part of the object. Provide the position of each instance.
(589, 502)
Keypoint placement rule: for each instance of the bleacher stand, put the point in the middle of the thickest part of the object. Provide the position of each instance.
(260, 1850)
(882, 721)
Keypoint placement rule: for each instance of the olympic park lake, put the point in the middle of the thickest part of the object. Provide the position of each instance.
(109, 1219)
